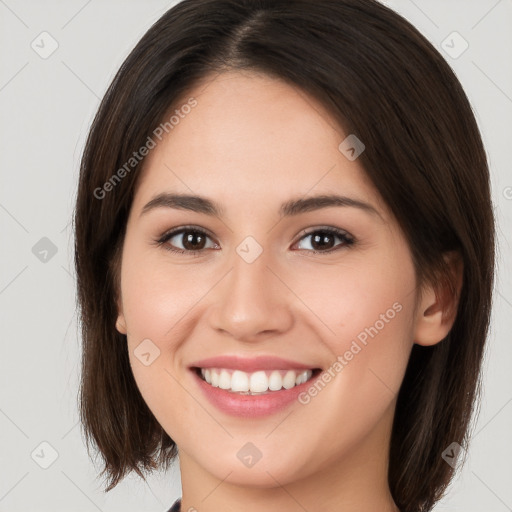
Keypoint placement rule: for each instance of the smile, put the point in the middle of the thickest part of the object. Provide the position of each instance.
(252, 387)
(255, 383)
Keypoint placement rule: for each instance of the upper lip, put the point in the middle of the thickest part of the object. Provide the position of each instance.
(252, 364)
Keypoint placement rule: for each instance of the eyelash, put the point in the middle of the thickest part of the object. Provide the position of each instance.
(162, 241)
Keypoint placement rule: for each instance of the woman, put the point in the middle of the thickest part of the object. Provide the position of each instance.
(285, 257)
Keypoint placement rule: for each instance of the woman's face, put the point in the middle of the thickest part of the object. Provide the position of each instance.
(255, 288)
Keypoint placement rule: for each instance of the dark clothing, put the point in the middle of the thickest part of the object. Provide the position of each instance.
(176, 506)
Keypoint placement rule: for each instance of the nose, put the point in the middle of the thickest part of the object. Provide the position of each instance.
(251, 303)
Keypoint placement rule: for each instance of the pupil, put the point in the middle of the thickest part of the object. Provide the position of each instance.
(191, 241)
(319, 241)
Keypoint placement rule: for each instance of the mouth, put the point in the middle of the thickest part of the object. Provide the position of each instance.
(252, 387)
(260, 382)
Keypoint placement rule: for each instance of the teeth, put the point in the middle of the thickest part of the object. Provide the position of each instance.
(261, 381)
(275, 382)
(224, 380)
(239, 381)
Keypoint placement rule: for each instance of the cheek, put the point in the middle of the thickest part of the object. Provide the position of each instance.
(361, 298)
(368, 307)
(156, 299)
(160, 302)
(156, 295)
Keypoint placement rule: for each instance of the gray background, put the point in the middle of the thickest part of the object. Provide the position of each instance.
(47, 105)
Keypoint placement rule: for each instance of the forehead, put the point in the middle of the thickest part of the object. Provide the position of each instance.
(251, 133)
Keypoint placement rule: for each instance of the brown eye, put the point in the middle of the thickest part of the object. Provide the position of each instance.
(324, 240)
(191, 240)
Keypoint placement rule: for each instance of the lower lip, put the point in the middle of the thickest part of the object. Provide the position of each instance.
(251, 406)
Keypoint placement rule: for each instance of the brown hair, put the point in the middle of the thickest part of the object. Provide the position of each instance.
(382, 81)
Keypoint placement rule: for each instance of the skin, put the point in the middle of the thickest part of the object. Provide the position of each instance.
(249, 131)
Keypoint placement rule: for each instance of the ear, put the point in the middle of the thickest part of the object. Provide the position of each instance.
(438, 305)
(120, 322)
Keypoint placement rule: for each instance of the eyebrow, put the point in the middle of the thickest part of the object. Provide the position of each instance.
(292, 207)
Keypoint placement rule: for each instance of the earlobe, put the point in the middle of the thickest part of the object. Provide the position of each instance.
(120, 321)
(121, 324)
(438, 305)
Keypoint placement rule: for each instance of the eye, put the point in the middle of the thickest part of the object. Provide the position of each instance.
(193, 240)
(324, 238)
